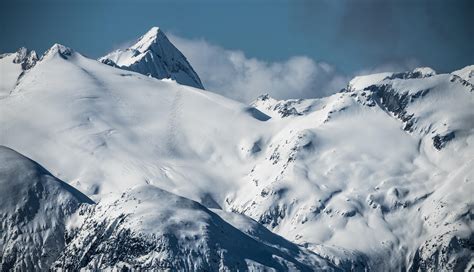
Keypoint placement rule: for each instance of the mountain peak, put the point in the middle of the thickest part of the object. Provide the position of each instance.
(425, 71)
(153, 29)
(154, 55)
(59, 49)
(24, 52)
(146, 41)
(27, 58)
(466, 73)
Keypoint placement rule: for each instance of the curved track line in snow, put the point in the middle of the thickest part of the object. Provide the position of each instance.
(173, 124)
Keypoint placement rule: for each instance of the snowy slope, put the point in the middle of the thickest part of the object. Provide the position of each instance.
(44, 224)
(154, 55)
(377, 176)
(466, 73)
(149, 228)
(34, 206)
(378, 161)
(13, 66)
(121, 129)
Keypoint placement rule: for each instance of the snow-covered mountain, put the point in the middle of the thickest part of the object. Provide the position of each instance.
(34, 208)
(47, 223)
(154, 55)
(375, 177)
(373, 168)
(149, 228)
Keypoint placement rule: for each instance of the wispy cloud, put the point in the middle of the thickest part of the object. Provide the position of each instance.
(233, 74)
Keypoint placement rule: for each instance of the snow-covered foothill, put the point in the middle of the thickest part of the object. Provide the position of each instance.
(152, 229)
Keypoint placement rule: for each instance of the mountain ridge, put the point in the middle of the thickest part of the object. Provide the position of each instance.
(34, 208)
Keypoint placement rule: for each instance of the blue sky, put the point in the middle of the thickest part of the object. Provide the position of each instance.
(350, 35)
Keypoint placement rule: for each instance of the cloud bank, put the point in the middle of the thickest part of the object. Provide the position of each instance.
(232, 74)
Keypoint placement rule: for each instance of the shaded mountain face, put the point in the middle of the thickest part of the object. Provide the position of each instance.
(49, 225)
(152, 229)
(34, 208)
(376, 177)
(154, 55)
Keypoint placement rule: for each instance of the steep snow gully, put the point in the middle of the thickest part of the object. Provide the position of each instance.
(148, 171)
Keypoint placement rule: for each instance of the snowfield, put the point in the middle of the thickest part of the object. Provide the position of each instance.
(376, 177)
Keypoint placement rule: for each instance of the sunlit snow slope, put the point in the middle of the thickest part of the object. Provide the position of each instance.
(114, 129)
(377, 176)
(13, 66)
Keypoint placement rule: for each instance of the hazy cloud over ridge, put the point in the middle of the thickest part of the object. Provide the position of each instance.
(232, 74)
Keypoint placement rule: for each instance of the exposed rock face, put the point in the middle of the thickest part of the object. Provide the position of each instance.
(439, 141)
(394, 102)
(416, 73)
(13, 67)
(60, 50)
(466, 74)
(276, 108)
(26, 58)
(445, 252)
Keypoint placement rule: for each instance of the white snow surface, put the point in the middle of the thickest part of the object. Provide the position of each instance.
(12, 66)
(466, 73)
(425, 71)
(370, 176)
(9, 73)
(361, 82)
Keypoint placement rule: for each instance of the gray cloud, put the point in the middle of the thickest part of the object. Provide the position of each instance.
(437, 32)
